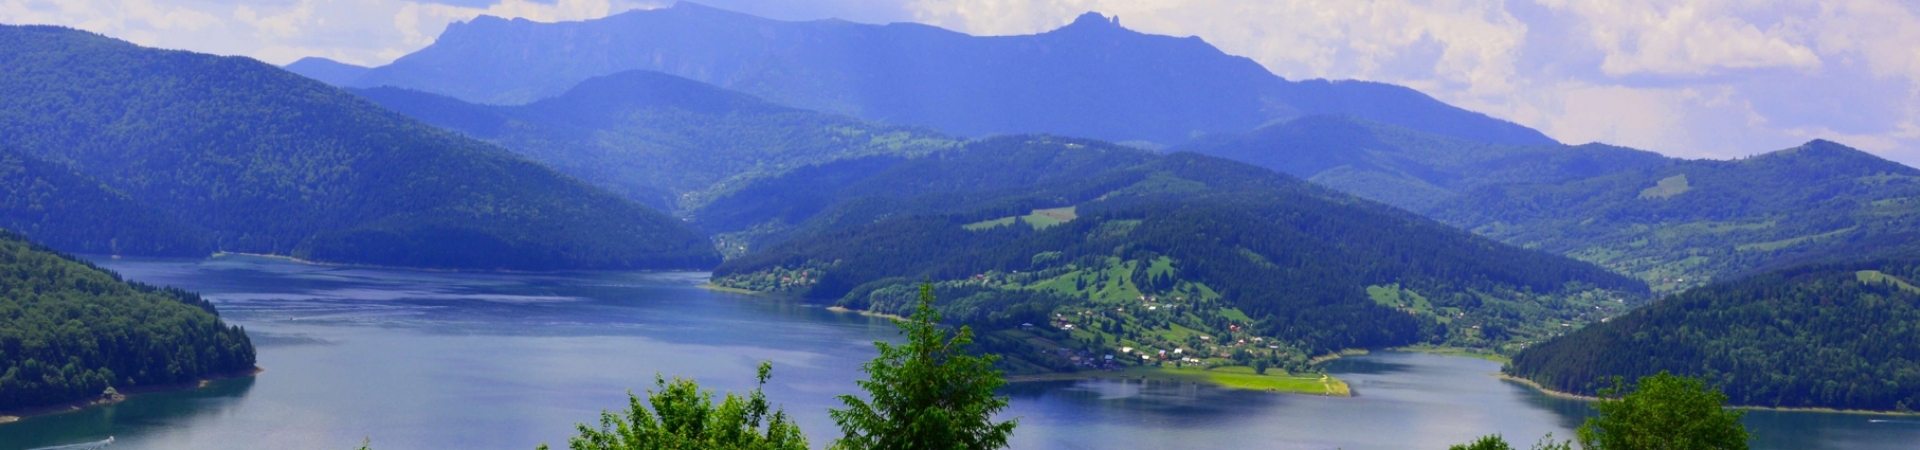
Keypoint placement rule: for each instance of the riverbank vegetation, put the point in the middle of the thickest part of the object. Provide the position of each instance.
(1661, 411)
(70, 331)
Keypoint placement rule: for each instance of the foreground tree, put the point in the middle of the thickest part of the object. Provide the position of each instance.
(928, 394)
(1663, 412)
(683, 417)
(1494, 442)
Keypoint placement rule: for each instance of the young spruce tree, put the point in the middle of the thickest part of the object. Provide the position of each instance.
(929, 394)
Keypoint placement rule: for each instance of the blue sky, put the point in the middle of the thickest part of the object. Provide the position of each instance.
(1691, 78)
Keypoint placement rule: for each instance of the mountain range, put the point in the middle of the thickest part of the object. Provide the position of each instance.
(1091, 78)
(662, 140)
(246, 157)
(1687, 223)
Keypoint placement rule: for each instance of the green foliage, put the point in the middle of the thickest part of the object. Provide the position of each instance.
(266, 161)
(1494, 442)
(1663, 412)
(70, 331)
(1689, 223)
(683, 416)
(929, 393)
(1834, 336)
(663, 140)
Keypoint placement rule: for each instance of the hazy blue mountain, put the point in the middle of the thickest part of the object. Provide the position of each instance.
(61, 208)
(326, 70)
(660, 139)
(1692, 222)
(1828, 336)
(272, 162)
(1407, 168)
(1091, 78)
(1017, 229)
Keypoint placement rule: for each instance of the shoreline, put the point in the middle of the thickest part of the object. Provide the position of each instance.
(79, 405)
(1331, 387)
(1572, 396)
(429, 269)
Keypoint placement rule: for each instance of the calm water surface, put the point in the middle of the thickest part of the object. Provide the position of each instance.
(424, 360)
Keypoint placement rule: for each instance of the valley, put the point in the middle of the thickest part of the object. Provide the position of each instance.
(1134, 239)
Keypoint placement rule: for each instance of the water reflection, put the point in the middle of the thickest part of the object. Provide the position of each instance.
(427, 360)
(143, 413)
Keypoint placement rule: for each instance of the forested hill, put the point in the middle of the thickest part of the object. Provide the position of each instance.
(661, 139)
(69, 330)
(1833, 336)
(61, 208)
(326, 70)
(271, 162)
(1160, 251)
(1407, 168)
(1093, 78)
(1692, 222)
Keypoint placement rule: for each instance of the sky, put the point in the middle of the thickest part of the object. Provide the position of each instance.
(1690, 78)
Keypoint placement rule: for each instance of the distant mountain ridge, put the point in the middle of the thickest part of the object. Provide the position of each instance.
(326, 70)
(1091, 78)
(1691, 222)
(662, 140)
(266, 161)
(1407, 168)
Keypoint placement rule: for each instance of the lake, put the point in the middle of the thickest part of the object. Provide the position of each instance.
(431, 360)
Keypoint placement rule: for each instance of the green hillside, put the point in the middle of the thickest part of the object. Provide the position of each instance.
(69, 330)
(1693, 222)
(1832, 336)
(63, 209)
(1180, 252)
(271, 162)
(660, 139)
(1407, 168)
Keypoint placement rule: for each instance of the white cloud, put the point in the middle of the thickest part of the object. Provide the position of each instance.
(1690, 37)
(1683, 77)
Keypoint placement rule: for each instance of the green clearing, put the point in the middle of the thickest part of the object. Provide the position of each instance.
(1667, 187)
(1784, 243)
(1875, 276)
(1235, 377)
(1039, 219)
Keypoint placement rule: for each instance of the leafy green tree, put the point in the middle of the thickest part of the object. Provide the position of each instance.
(684, 417)
(1663, 412)
(927, 394)
(1495, 442)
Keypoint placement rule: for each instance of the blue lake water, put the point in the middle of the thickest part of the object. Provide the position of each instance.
(429, 360)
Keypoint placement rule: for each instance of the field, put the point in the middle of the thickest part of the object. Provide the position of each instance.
(1039, 219)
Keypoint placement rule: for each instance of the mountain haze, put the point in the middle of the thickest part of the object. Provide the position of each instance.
(326, 70)
(1407, 168)
(659, 139)
(270, 162)
(1091, 78)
